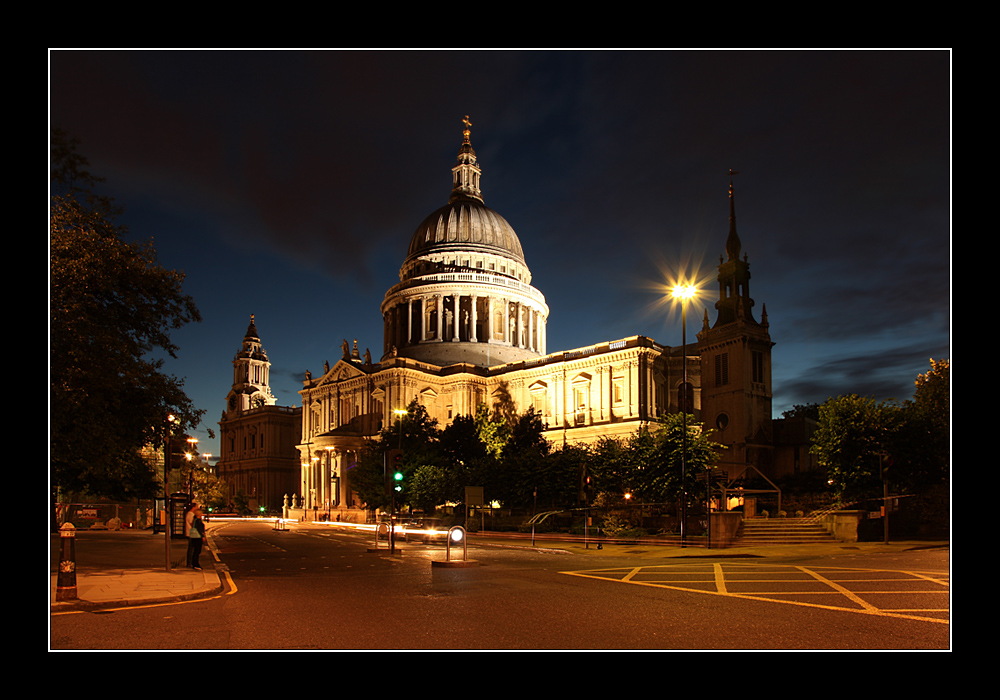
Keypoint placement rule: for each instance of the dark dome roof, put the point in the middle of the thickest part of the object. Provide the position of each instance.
(466, 224)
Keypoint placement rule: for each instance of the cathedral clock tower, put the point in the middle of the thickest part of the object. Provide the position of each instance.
(736, 365)
(259, 460)
(250, 375)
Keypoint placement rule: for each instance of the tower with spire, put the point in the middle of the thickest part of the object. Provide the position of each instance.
(736, 363)
(259, 461)
(250, 375)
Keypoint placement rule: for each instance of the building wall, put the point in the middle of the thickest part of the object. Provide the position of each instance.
(259, 457)
(582, 395)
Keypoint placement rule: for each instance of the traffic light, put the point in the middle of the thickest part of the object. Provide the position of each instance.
(394, 467)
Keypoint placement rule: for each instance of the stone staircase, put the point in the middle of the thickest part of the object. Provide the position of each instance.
(765, 531)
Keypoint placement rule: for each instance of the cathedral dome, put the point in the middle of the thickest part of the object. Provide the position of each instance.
(465, 234)
(466, 224)
(464, 292)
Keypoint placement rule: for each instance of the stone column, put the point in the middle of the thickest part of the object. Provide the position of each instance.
(423, 319)
(457, 335)
(324, 480)
(489, 320)
(409, 321)
(473, 300)
(506, 320)
(532, 318)
(518, 313)
(439, 309)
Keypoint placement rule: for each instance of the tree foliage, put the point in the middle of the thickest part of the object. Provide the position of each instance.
(111, 306)
(417, 434)
(924, 450)
(853, 437)
(507, 454)
(860, 441)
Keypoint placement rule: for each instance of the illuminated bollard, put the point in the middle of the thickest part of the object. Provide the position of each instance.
(66, 581)
(456, 535)
(378, 531)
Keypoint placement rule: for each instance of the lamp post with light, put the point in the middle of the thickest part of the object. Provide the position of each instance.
(684, 293)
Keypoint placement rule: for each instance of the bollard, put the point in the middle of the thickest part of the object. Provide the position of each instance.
(66, 581)
(457, 535)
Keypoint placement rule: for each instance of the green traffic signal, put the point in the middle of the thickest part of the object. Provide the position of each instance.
(394, 461)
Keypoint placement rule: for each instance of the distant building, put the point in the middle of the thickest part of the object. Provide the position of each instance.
(465, 319)
(259, 460)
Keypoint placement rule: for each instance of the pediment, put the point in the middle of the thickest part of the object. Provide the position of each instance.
(341, 371)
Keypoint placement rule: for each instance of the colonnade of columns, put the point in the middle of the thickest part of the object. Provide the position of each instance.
(324, 484)
(442, 317)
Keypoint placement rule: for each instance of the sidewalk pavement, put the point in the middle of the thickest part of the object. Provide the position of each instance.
(128, 567)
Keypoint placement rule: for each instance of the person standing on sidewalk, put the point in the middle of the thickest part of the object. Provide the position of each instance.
(195, 531)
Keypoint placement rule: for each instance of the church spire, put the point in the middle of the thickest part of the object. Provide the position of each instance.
(251, 331)
(466, 173)
(733, 244)
(734, 302)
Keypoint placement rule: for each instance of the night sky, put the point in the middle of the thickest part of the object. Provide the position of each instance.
(288, 184)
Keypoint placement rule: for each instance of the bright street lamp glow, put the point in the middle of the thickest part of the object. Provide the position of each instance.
(684, 291)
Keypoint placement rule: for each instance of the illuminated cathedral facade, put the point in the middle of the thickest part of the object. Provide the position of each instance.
(465, 323)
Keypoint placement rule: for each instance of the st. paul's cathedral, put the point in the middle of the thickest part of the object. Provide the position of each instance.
(464, 324)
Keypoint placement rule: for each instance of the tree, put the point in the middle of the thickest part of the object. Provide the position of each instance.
(493, 431)
(853, 437)
(429, 486)
(620, 466)
(368, 478)
(464, 456)
(417, 434)
(111, 306)
(809, 410)
(921, 456)
(611, 467)
(661, 478)
(525, 464)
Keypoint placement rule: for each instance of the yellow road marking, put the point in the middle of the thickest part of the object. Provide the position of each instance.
(633, 572)
(720, 579)
(837, 587)
(721, 587)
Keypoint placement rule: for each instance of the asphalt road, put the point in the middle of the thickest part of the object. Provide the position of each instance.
(320, 588)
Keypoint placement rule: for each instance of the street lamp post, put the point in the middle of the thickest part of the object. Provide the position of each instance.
(172, 420)
(684, 293)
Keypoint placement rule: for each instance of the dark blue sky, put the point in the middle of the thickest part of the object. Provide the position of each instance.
(288, 184)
